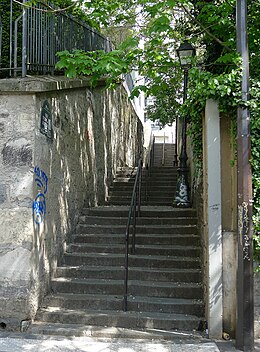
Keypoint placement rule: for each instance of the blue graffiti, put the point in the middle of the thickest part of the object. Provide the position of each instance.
(39, 208)
(39, 203)
(41, 179)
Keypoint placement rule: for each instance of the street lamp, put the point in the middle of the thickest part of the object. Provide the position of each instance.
(185, 54)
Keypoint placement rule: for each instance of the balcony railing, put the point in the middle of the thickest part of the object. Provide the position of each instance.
(31, 37)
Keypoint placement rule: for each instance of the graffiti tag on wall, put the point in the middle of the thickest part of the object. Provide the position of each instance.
(39, 203)
(243, 227)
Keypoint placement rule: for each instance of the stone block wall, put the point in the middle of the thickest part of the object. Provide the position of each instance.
(46, 180)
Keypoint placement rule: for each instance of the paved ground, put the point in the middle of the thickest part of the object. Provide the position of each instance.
(91, 345)
(16, 343)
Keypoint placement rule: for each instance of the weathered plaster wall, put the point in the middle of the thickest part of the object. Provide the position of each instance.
(229, 206)
(45, 182)
(228, 201)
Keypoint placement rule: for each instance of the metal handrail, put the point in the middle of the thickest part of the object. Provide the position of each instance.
(133, 213)
(152, 154)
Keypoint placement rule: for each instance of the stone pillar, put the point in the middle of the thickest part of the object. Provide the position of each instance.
(212, 167)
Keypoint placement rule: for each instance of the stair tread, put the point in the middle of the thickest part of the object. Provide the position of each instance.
(164, 300)
(115, 268)
(146, 208)
(140, 226)
(137, 256)
(141, 246)
(88, 312)
(150, 235)
(165, 219)
(62, 329)
(131, 282)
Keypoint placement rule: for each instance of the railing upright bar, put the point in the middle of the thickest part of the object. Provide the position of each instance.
(11, 38)
(24, 41)
(1, 33)
(15, 43)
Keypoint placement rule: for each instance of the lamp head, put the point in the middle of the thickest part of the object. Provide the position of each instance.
(185, 53)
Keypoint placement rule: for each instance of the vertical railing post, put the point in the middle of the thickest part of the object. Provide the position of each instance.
(11, 38)
(1, 33)
(16, 44)
(24, 42)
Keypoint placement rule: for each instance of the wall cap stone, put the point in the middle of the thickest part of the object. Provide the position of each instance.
(37, 84)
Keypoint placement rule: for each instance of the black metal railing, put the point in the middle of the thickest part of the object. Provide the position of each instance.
(33, 36)
(134, 212)
(152, 154)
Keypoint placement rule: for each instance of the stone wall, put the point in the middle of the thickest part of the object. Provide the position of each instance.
(46, 179)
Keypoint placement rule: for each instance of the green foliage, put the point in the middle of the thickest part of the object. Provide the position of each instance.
(255, 147)
(5, 19)
(94, 64)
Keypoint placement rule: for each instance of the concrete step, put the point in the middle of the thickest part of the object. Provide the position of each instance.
(84, 330)
(163, 198)
(143, 239)
(147, 229)
(125, 201)
(154, 186)
(117, 273)
(163, 170)
(190, 251)
(135, 288)
(99, 220)
(151, 212)
(164, 177)
(110, 259)
(159, 202)
(115, 302)
(141, 320)
(154, 190)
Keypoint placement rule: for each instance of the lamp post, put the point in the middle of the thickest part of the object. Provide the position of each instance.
(182, 199)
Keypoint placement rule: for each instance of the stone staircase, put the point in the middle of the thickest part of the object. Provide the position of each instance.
(158, 186)
(167, 159)
(164, 292)
(165, 289)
